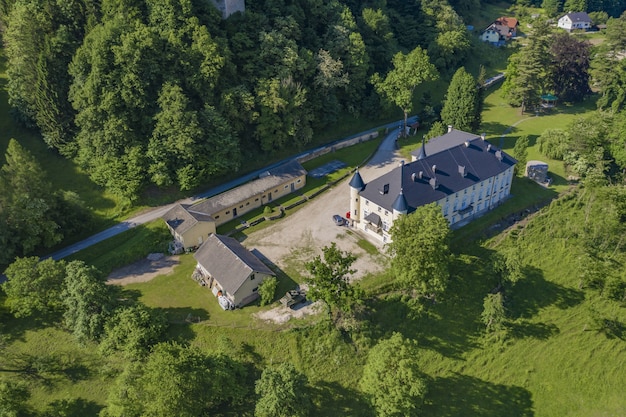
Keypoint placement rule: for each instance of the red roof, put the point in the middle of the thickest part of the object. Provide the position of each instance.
(511, 22)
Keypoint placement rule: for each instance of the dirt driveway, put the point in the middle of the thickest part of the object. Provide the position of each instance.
(300, 236)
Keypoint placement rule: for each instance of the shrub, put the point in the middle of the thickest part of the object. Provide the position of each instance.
(267, 290)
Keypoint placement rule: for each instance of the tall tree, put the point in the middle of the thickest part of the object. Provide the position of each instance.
(408, 72)
(570, 67)
(188, 146)
(133, 331)
(283, 392)
(330, 281)
(176, 380)
(420, 251)
(459, 108)
(26, 202)
(520, 152)
(41, 38)
(392, 379)
(33, 286)
(527, 70)
(616, 32)
(88, 301)
(552, 7)
(285, 117)
(450, 42)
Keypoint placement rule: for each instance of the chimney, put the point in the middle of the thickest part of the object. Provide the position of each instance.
(420, 175)
(483, 136)
(433, 183)
(449, 128)
(434, 168)
(499, 155)
(413, 177)
(462, 171)
(467, 143)
(488, 147)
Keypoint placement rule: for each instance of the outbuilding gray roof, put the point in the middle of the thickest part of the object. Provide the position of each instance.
(180, 220)
(266, 182)
(456, 169)
(446, 141)
(228, 262)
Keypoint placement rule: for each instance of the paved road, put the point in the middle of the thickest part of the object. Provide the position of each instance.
(145, 217)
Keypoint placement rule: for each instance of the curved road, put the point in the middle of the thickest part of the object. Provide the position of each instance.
(381, 156)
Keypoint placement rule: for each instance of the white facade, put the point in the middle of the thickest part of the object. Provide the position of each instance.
(458, 208)
(574, 21)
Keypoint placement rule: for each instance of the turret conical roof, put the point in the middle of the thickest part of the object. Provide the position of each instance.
(357, 181)
(400, 204)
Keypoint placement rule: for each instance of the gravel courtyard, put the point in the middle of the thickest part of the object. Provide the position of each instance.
(300, 236)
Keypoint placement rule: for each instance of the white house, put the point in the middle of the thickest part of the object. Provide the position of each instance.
(461, 172)
(575, 21)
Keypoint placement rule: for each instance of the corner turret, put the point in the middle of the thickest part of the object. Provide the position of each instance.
(400, 206)
(356, 186)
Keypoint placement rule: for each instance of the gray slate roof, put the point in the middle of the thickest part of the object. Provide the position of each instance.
(579, 17)
(228, 261)
(179, 219)
(446, 141)
(357, 181)
(478, 160)
(267, 181)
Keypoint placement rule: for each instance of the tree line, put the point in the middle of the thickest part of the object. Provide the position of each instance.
(143, 92)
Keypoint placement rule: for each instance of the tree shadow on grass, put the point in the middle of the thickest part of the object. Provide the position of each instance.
(523, 329)
(533, 292)
(13, 329)
(496, 129)
(76, 407)
(333, 399)
(451, 325)
(180, 320)
(462, 396)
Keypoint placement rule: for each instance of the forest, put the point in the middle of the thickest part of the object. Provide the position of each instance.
(165, 94)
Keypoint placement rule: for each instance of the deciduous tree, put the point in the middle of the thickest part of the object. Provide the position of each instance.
(420, 251)
(408, 72)
(133, 331)
(33, 286)
(392, 378)
(176, 380)
(569, 71)
(494, 313)
(283, 392)
(330, 281)
(88, 301)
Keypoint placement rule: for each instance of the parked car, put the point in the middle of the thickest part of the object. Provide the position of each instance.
(293, 297)
(339, 221)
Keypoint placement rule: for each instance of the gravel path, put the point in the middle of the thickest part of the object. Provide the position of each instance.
(301, 235)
